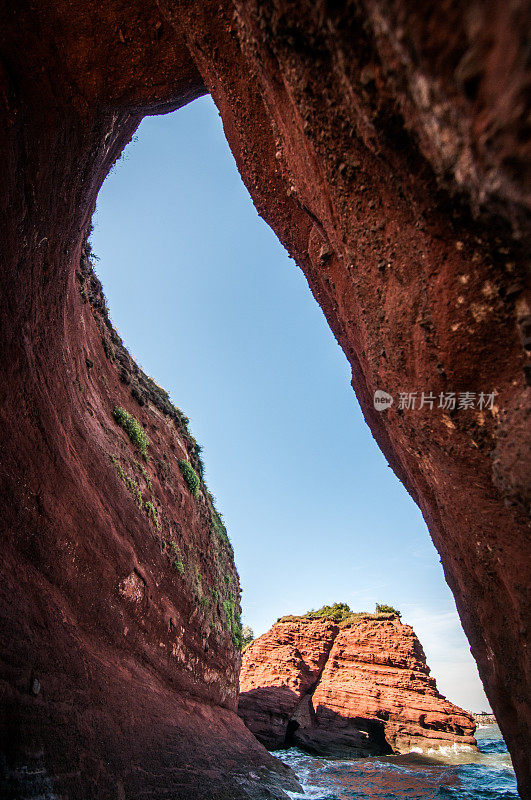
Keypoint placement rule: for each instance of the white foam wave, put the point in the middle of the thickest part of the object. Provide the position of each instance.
(445, 751)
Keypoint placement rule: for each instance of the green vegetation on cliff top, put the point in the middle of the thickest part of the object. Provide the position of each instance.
(381, 608)
(341, 614)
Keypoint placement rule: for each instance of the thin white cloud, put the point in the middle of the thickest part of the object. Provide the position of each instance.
(448, 655)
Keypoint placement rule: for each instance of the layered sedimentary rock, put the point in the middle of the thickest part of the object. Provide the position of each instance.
(120, 615)
(278, 670)
(354, 689)
(385, 142)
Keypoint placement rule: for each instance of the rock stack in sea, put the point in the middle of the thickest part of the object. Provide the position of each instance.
(357, 687)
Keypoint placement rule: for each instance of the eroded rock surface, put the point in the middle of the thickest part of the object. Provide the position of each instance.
(278, 670)
(120, 614)
(385, 142)
(354, 689)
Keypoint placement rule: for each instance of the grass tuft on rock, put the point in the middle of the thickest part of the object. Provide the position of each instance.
(234, 621)
(133, 429)
(178, 565)
(151, 511)
(131, 484)
(190, 476)
(382, 608)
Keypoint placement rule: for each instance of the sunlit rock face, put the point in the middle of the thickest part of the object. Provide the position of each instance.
(360, 688)
(385, 143)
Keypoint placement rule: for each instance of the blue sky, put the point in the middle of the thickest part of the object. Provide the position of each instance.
(210, 304)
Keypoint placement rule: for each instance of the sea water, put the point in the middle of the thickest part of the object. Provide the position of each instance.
(455, 772)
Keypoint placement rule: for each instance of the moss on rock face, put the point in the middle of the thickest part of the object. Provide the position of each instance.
(152, 513)
(133, 429)
(132, 485)
(178, 565)
(202, 568)
(190, 476)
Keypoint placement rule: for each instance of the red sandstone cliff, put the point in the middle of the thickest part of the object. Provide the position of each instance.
(386, 143)
(358, 688)
(120, 600)
(278, 670)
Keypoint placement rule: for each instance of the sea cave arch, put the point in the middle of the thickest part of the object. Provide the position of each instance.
(346, 139)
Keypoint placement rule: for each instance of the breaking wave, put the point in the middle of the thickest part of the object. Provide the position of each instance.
(454, 772)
